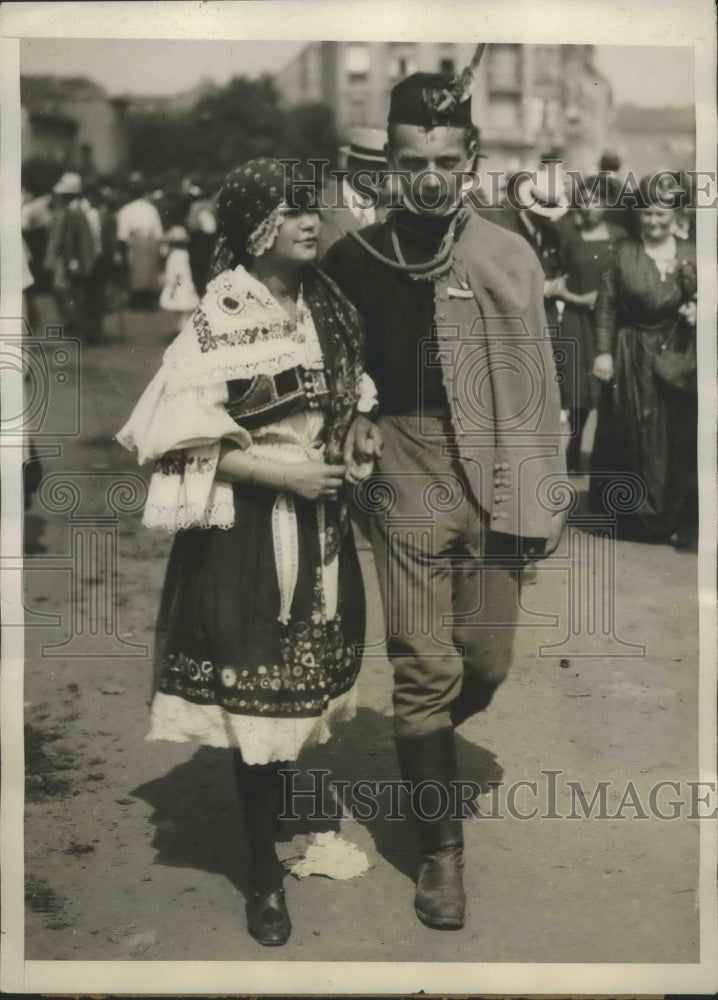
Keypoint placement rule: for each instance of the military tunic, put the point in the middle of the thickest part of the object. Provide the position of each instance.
(469, 413)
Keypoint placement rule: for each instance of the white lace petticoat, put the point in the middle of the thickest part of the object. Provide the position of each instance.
(260, 740)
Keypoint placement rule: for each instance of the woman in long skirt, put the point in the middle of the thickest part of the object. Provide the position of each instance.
(587, 241)
(262, 613)
(645, 453)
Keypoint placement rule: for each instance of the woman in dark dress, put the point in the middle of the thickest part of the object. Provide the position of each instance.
(262, 611)
(587, 239)
(647, 427)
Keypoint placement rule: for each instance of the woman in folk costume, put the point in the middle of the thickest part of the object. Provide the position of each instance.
(178, 294)
(262, 612)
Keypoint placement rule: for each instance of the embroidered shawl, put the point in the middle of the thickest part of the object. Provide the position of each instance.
(237, 332)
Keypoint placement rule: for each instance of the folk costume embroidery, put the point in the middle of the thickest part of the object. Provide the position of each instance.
(262, 610)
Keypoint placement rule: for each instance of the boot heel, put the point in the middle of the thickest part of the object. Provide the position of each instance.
(440, 900)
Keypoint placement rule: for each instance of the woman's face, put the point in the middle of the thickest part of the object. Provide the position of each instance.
(654, 223)
(592, 213)
(297, 238)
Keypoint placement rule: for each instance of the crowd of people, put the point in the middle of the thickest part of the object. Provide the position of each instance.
(619, 294)
(101, 245)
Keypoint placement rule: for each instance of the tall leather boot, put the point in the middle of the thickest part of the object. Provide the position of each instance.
(440, 900)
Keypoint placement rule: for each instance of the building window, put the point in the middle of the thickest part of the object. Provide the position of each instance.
(505, 114)
(547, 62)
(504, 67)
(403, 63)
(447, 66)
(357, 112)
(357, 64)
(86, 158)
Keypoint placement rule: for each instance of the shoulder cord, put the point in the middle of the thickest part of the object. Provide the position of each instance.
(417, 272)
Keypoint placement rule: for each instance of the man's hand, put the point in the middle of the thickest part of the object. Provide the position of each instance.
(558, 523)
(362, 445)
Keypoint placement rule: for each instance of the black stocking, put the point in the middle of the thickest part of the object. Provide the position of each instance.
(261, 790)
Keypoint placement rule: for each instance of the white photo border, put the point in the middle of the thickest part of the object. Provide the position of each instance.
(639, 22)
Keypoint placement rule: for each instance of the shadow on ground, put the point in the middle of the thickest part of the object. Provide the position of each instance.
(198, 818)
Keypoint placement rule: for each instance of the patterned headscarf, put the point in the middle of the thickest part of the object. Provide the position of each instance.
(250, 210)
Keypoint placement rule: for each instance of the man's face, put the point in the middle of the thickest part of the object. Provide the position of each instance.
(432, 161)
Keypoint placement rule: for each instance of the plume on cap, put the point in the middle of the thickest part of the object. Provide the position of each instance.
(442, 97)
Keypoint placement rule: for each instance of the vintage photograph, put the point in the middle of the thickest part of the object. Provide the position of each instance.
(361, 519)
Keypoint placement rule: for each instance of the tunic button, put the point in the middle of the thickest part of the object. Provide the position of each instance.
(495, 517)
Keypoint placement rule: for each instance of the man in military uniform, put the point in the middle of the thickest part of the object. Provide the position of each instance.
(468, 420)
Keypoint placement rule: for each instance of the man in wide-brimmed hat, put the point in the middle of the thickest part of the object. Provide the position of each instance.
(469, 422)
(351, 198)
(536, 203)
(70, 256)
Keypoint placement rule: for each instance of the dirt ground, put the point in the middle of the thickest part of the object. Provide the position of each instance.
(134, 850)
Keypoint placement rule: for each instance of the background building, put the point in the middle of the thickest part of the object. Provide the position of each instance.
(527, 98)
(72, 122)
(649, 139)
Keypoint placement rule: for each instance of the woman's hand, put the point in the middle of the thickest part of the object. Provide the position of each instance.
(586, 300)
(309, 479)
(555, 288)
(313, 480)
(603, 367)
(689, 310)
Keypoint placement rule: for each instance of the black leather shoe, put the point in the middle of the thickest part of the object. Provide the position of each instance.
(268, 918)
(440, 899)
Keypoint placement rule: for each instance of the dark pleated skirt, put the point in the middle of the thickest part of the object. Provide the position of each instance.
(219, 638)
(645, 469)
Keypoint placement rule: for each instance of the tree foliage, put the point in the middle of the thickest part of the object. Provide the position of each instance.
(227, 126)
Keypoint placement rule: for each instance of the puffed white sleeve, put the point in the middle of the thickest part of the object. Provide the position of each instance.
(182, 434)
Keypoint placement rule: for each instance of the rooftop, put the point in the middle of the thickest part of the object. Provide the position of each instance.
(40, 91)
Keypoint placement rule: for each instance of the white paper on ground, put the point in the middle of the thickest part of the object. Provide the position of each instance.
(325, 853)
